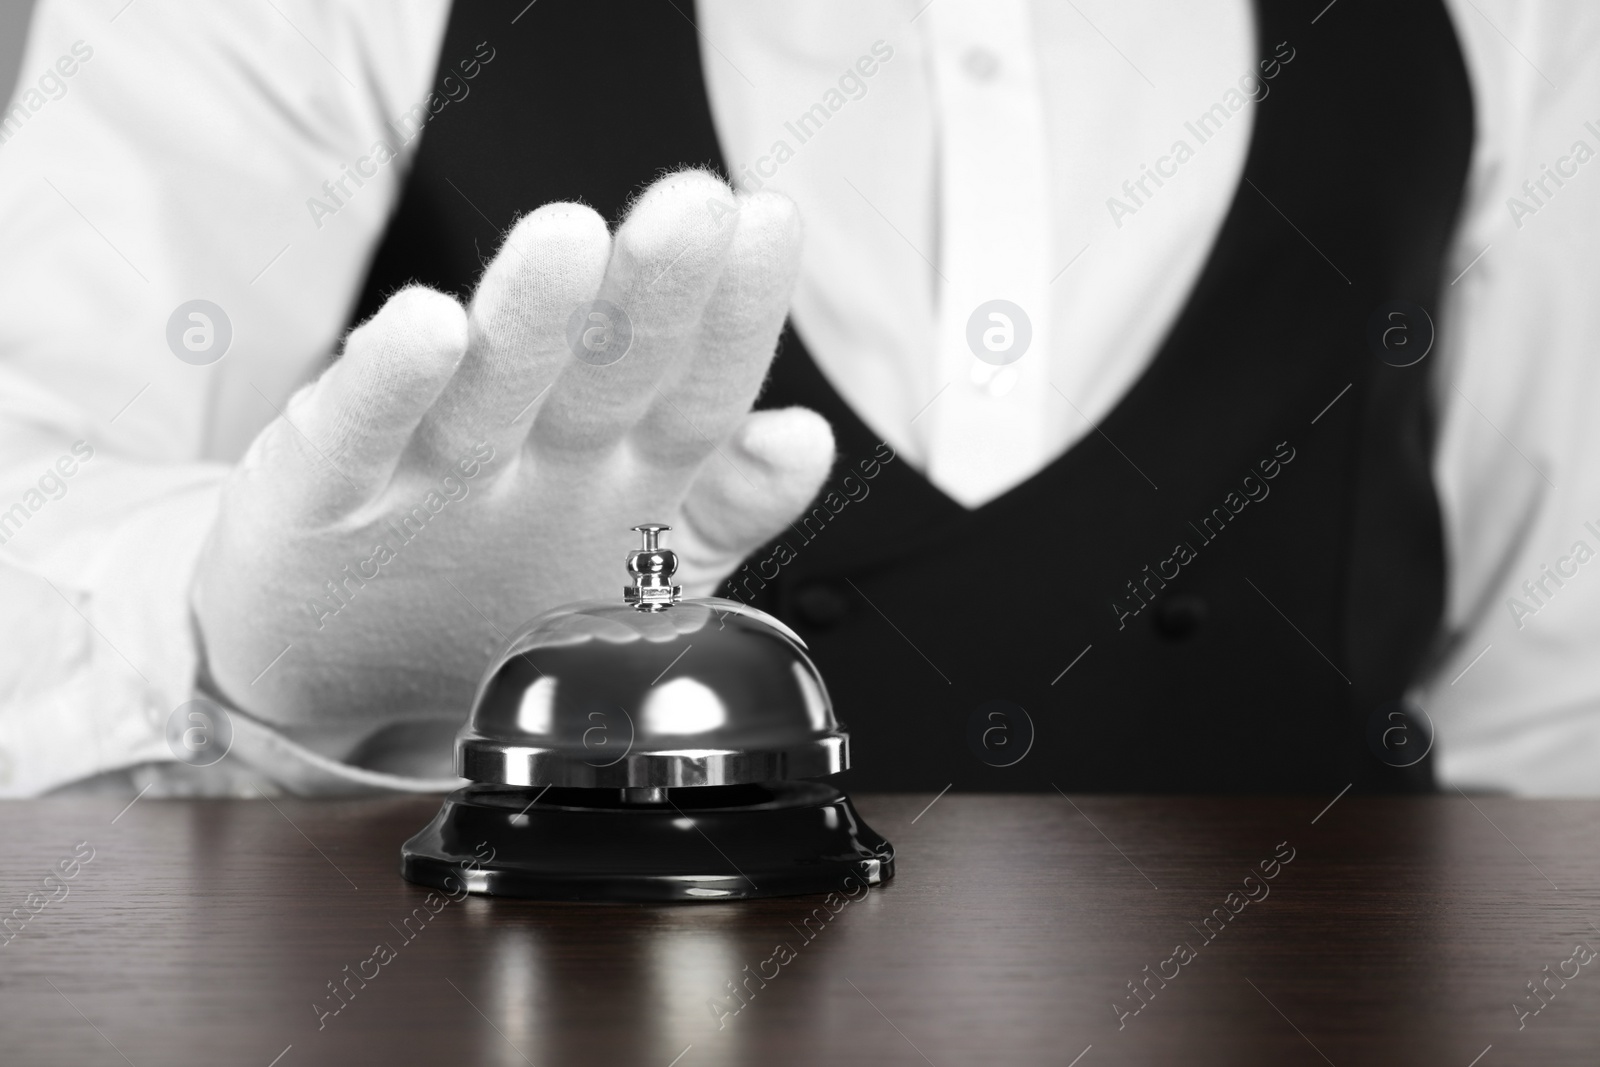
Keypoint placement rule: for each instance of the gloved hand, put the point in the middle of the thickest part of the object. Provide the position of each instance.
(458, 471)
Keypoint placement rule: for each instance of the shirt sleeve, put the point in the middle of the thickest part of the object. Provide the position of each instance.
(154, 155)
(1515, 692)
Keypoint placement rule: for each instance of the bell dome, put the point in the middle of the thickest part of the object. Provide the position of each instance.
(615, 695)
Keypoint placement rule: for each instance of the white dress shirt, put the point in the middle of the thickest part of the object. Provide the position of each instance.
(975, 163)
(976, 167)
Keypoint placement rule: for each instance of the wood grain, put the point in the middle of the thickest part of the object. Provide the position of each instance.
(1401, 932)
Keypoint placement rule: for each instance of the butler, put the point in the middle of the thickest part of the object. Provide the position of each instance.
(584, 265)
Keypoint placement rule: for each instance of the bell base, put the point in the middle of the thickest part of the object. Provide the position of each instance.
(711, 843)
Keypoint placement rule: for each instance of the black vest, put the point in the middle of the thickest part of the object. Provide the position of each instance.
(1221, 589)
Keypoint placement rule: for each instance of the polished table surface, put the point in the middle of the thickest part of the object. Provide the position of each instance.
(1399, 931)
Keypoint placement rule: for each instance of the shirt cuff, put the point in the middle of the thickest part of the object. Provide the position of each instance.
(106, 654)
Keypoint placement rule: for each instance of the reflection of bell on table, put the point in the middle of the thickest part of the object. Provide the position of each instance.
(650, 749)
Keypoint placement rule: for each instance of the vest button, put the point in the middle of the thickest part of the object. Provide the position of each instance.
(1178, 617)
(823, 605)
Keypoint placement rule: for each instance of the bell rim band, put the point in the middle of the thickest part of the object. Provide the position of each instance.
(497, 762)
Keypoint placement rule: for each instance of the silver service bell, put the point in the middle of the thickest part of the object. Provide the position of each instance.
(655, 748)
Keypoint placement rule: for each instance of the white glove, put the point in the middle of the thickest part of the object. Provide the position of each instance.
(458, 471)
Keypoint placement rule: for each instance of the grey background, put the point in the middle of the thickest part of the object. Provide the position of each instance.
(14, 15)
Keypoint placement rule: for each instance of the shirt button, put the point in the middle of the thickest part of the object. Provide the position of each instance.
(1177, 618)
(822, 605)
(993, 382)
(980, 63)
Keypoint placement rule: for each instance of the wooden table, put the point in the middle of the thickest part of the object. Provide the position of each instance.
(1402, 931)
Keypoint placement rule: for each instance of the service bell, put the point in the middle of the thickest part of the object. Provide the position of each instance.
(650, 749)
